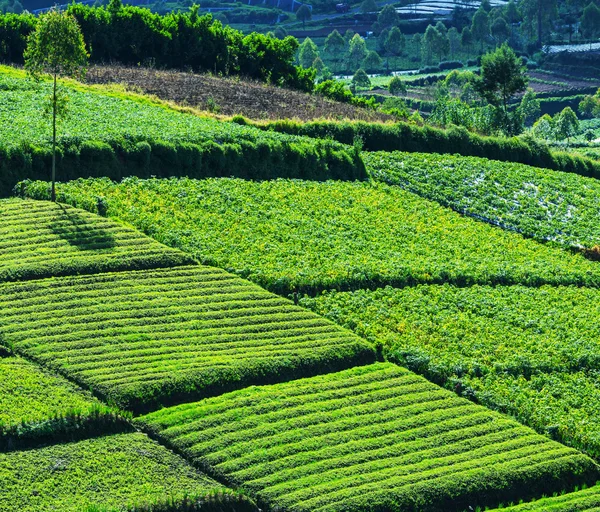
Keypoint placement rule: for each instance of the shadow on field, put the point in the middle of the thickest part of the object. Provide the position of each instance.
(80, 231)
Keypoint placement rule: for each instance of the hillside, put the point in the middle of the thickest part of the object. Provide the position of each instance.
(229, 96)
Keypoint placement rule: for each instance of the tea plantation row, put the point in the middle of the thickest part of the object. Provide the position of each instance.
(538, 203)
(371, 438)
(42, 239)
(530, 352)
(311, 236)
(145, 338)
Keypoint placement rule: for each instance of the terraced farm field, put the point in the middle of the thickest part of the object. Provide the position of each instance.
(145, 338)
(108, 473)
(371, 438)
(527, 351)
(28, 394)
(42, 239)
(542, 204)
(288, 234)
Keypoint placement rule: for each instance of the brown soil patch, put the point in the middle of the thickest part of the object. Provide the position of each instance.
(229, 96)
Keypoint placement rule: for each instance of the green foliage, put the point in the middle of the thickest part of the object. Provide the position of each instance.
(567, 124)
(357, 50)
(590, 21)
(502, 76)
(41, 239)
(307, 53)
(56, 47)
(133, 35)
(371, 438)
(303, 14)
(360, 79)
(530, 107)
(480, 26)
(37, 407)
(528, 352)
(397, 86)
(427, 139)
(313, 236)
(585, 500)
(116, 135)
(372, 62)
(544, 205)
(146, 338)
(124, 472)
(395, 42)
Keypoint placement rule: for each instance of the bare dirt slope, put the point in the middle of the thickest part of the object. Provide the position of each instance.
(228, 96)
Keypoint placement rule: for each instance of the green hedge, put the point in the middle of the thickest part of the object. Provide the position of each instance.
(119, 158)
(426, 139)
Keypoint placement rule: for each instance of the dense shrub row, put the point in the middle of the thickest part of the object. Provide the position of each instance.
(528, 352)
(37, 407)
(427, 139)
(115, 472)
(43, 239)
(371, 438)
(547, 206)
(118, 135)
(133, 35)
(145, 338)
(310, 236)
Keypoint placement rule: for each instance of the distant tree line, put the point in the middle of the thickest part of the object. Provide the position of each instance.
(133, 35)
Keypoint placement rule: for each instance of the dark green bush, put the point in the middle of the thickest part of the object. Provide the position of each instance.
(427, 139)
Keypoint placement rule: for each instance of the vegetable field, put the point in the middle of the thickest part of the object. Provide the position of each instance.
(371, 438)
(145, 338)
(42, 239)
(530, 352)
(124, 470)
(312, 236)
(538, 203)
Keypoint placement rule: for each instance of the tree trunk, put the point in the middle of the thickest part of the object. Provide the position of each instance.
(53, 194)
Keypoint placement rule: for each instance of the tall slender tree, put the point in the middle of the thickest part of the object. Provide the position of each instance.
(56, 48)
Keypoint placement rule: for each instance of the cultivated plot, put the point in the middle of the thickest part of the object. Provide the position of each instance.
(371, 438)
(41, 239)
(288, 234)
(539, 203)
(107, 473)
(145, 338)
(532, 352)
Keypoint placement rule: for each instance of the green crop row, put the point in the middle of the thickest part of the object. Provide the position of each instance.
(144, 338)
(538, 203)
(585, 500)
(42, 239)
(114, 135)
(37, 407)
(529, 352)
(123, 471)
(286, 234)
(371, 438)
(427, 139)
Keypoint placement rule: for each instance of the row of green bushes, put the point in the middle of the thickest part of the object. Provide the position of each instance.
(73, 426)
(427, 139)
(133, 35)
(119, 158)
